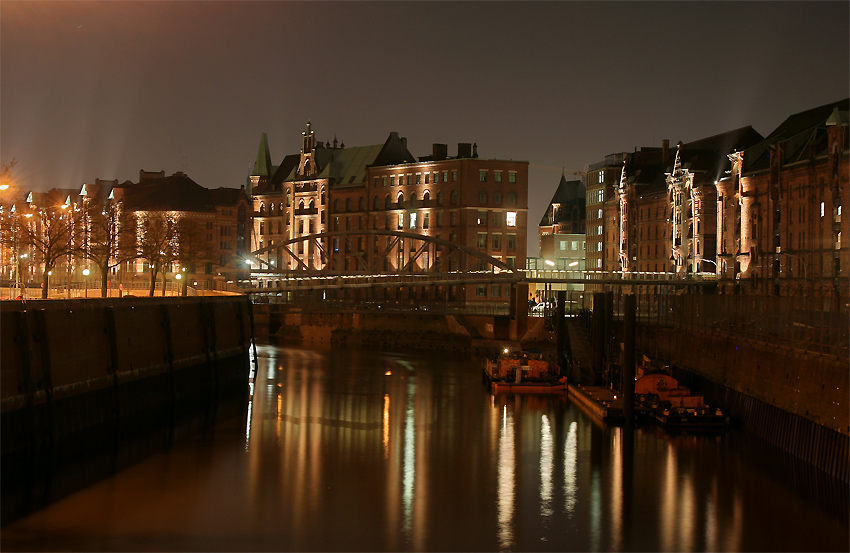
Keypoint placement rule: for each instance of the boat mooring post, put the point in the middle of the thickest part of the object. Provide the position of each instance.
(628, 371)
(597, 335)
(565, 354)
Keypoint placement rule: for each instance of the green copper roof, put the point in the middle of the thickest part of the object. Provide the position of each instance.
(262, 166)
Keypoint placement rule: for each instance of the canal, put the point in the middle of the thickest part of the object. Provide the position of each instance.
(359, 450)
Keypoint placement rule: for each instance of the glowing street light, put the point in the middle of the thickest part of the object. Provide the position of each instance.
(86, 274)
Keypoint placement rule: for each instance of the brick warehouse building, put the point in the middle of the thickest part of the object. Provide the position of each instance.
(102, 233)
(780, 209)
(765, 215)
(478, 203)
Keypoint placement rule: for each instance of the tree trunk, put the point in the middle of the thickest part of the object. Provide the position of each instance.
(45, 284)
(153, 281)
(104, 289)
(164, 281)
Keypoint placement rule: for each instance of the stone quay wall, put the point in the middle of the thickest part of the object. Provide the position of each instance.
(795, 400)
(88, 387)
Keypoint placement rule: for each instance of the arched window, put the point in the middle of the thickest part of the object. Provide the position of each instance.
(413, 200)
(375, 203)
(426, 197)
(387, 202)
(348, 204)
(301, 204)
(453, 197)
(497, 198)
(262, 209)
(482, 197)
(280, 208)
(288, 198)
(512, 198)
(440, 197)
(336, 205)
(312, 204)
(400, 200)
(361, 205)
(271, 210)
(323, 196)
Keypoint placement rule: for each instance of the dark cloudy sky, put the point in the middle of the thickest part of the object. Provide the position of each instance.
(102, 89)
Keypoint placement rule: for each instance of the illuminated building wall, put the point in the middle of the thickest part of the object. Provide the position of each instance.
(780, 209)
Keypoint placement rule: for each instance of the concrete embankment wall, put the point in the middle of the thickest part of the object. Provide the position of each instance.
(90, 386)
(794, 400)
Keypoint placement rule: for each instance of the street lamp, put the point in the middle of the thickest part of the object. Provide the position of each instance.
(86, 274)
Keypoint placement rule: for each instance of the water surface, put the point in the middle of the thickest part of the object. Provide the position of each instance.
(365, 451)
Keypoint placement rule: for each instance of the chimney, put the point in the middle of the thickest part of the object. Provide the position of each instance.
(440, 152)
(464, 149)
(475, 149)
(665, 151)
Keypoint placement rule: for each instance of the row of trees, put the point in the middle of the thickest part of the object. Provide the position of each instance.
(99, 233)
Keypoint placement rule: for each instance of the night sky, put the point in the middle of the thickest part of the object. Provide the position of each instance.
(102, 89)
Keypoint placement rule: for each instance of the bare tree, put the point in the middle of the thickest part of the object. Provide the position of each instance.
(156, 234)
(193, 246)
(103, 236)
(50, 234)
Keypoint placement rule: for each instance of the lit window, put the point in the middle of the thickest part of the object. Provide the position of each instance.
(418, 178)
(822, 208)
(400, 221)
(510, 218)
(425, 218)
(601, 177)
(413, 220)
(482, 176)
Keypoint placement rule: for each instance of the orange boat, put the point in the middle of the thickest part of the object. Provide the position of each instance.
(523, 372)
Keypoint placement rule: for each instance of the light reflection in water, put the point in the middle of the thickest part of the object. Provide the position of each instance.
(546, 467)
(669, 515)
(616, 488)
(357, 451)
(506, 481)
(570, 468)
(409, 464)
(386, 426)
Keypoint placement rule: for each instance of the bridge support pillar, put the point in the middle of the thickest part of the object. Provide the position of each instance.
(519, 311)
(628, 370)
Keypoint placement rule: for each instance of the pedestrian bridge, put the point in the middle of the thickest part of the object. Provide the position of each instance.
(393, 259)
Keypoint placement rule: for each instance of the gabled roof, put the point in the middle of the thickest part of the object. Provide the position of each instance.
(804, 135)
(342, 166)
(568, 194)
(806, 120)
(175, 193)
(393, 152)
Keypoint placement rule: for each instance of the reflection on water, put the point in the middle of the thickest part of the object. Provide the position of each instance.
(346, 450)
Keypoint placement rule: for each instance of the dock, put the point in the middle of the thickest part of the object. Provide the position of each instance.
(601, 402)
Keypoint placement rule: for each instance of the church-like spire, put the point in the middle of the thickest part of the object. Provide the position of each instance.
(263, 164)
